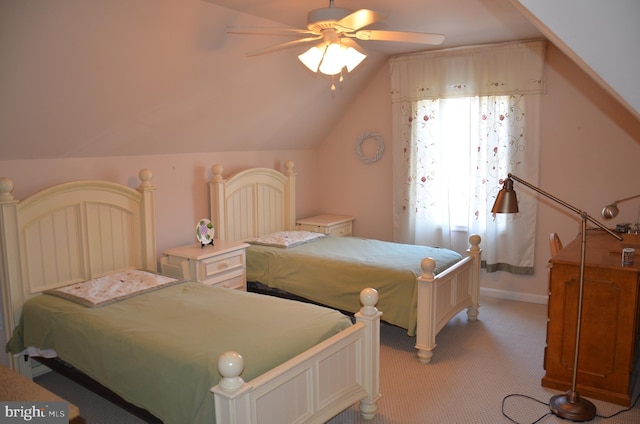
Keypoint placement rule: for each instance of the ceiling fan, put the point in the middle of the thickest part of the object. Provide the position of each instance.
(334, 30)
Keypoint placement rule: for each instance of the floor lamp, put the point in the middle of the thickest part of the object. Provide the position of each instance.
(569, 405)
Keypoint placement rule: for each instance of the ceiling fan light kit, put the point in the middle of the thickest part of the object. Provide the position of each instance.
(337, 28)
(331, 58)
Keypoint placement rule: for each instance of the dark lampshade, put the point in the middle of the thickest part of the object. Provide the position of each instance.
(506, 201)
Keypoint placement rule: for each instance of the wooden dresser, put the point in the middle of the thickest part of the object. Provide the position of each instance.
(608, 358)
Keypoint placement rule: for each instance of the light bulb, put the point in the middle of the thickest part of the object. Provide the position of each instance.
(312, 57)
(353, 58)
(333, 60)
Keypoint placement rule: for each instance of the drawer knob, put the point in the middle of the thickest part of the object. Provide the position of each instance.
(223, 265)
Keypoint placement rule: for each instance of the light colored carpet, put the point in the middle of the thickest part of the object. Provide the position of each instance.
(476, 367)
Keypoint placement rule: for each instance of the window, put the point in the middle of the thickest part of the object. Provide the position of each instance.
(455, 131)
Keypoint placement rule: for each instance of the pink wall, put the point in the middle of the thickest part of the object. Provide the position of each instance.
(589, 157)
(349, 186)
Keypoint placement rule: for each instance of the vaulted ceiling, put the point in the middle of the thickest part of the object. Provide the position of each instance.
(117, 78)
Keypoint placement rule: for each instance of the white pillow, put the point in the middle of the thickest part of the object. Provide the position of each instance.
(285, 239)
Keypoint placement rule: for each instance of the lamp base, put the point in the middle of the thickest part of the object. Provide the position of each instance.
(571, 406)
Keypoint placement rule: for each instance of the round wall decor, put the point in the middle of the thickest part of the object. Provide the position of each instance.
(377, 155)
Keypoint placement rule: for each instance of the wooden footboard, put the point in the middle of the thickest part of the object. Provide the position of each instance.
(312, 387)
(442, 297)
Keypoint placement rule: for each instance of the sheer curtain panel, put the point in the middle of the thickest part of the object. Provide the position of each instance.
(462, 120)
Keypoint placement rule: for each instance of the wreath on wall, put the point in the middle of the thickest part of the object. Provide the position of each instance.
(379, 152)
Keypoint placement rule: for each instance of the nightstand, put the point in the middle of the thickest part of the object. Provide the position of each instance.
(335, 225)
(222, 265)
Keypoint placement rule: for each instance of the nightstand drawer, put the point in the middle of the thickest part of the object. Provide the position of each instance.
(309, 227)
(209, 268)
(341, 230)
(232, 279)
(172, 266)
(334, 225)
(221, 264)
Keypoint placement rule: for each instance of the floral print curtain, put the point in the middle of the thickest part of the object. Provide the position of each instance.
(501, 86)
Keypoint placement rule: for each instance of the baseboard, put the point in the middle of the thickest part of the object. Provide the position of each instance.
(520, 297)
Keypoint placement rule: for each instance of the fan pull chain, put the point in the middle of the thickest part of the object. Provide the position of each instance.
(333, 85)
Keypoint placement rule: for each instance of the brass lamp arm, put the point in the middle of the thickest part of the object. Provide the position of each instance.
(567, 205)
(625, 199)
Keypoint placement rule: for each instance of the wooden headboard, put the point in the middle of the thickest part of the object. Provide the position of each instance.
(252, 203)
(70, 233)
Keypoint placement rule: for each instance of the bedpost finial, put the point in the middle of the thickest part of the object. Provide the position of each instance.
(369, 299)
(428, 265)
(230, 366)
(6, 187)
(474, 240)
(289, 166)
(145, 176)
(217, 172)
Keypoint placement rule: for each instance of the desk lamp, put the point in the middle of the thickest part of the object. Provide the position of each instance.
(611, 211)
(570, 405)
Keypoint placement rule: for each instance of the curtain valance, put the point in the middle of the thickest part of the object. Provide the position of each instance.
(471, 71)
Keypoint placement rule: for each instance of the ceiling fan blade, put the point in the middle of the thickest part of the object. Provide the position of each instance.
(269, 31)
(286, 45)
(358, 19)
(405, 37)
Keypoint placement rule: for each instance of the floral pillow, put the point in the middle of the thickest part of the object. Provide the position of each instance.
(285, 239)
(112, 287)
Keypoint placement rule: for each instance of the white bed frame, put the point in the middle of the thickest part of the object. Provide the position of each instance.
(260, 201)
(80, 230)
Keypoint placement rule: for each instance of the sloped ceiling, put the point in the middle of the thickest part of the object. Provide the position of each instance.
(122, 77)
(600, 37)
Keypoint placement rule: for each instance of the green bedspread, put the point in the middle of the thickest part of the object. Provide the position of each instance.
(160, 350)
(333, 270)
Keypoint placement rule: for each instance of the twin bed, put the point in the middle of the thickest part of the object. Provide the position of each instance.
(170, 348)
(421, 288)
